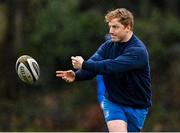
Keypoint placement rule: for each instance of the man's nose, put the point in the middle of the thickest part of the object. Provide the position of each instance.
(110, 30)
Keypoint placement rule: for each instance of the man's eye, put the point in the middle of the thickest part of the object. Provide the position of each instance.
(115, 26)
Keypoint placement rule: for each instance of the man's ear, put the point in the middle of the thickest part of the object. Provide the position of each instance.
(127, 28)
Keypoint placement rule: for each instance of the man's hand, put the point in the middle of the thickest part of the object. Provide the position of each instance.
(77, 62)
(68, 76)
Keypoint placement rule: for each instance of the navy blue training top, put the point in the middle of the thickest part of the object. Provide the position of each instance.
(125, 69)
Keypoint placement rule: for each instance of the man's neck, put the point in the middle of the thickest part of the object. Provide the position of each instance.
(128, 37)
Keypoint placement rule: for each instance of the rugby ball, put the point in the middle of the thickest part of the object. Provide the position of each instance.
(27, 69)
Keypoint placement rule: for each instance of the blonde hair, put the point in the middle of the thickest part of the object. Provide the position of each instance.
(125, 17)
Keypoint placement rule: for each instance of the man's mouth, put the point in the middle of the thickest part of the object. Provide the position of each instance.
(113, 36)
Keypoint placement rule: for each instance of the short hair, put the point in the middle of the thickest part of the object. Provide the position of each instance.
(125, 17)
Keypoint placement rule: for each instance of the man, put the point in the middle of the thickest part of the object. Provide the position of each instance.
(124, 63)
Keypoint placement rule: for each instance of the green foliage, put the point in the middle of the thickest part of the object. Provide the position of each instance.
(63, 31)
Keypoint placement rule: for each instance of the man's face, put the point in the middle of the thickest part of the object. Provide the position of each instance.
(117, 31)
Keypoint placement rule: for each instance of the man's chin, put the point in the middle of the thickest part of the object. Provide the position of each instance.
(115, 40)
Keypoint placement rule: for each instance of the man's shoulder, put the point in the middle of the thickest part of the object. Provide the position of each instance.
(136, 46)
(106, 44)
(138, 42)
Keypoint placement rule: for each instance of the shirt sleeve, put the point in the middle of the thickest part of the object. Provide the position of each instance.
(133, 58)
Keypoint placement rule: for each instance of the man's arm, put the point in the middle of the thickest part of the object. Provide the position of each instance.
(84, 75)
(131, 59)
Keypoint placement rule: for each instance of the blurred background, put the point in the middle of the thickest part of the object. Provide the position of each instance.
(51, 31)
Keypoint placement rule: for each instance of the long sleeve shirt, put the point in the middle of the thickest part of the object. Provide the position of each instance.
(125, 69)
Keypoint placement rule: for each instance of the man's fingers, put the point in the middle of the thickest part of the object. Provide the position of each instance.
(65, 75)
(60, 75)
(73, 62)
(59, 72)
(73, 58)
